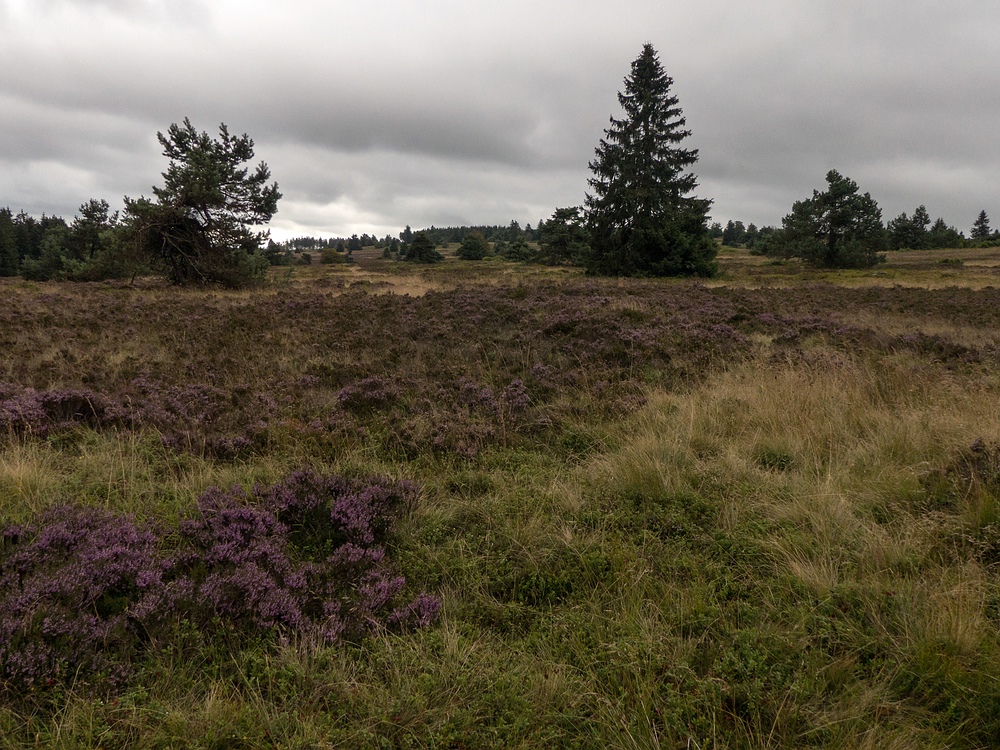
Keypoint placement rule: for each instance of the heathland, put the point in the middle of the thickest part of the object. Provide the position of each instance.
(761, 510)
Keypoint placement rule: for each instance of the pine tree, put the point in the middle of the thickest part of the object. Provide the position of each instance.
(641, 219)
(564, 239)
(910, 233)
(422, 250)
(201, 225)
(838, 228)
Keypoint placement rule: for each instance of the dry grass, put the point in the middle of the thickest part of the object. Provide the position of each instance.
(751, 559)
(924, 269)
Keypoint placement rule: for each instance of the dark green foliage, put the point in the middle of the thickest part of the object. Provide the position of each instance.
(86, 250)
(942, 235)
(565, 240)
(490, 232)
(199, 226)
(910, 232)
(981, 228)
(773, 458)
(734, 234)
(473, 247)
(53, 257)
(330, 255)
(422, 250)
(641, 220)
(518, 250)
(9, 261)
(28, 233)
(92, 230)
(762, 241)
(837, 228)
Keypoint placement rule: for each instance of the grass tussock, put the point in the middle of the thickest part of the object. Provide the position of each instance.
(656, 514)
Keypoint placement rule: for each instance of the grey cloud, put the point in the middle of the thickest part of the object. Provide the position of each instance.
(178, 11)
(389, 113)
(393, 189)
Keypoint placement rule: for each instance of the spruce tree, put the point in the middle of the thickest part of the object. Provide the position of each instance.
(641, 218)
(981, 229)
(9, 261)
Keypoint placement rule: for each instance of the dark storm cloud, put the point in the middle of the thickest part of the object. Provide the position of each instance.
(386, 113)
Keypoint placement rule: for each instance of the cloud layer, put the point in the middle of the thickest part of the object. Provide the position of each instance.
(386, 113)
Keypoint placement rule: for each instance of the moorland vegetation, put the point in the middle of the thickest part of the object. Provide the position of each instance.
(469, 487)
(487, 504)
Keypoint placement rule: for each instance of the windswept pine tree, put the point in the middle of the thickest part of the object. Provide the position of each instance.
(200, 228)
(838, 228)
(641, 218)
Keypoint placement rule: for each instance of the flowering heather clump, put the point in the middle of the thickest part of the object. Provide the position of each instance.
(369, 393)
(306, 553)
(83, 590)
(202, 418)
(67, 585)
(25, 410)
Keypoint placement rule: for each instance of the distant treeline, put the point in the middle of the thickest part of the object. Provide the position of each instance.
(507, 240)
(491, 233)
(95, 246)
(50, 248)
(437, 235)
(915, 232)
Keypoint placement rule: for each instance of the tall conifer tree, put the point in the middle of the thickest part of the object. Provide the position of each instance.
(9, 261)
(641, 219)
(981, 229)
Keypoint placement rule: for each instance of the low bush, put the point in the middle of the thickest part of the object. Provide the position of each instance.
(84, 591)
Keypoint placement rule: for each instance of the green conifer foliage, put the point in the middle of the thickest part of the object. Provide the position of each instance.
(641, 218)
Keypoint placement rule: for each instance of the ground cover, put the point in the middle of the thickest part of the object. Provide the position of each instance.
(761, 512)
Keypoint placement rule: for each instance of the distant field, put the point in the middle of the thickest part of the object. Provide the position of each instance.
(757, 511)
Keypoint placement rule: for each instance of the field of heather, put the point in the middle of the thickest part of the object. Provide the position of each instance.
(489, 505)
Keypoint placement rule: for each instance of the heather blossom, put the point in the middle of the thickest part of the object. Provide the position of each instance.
(86, 591)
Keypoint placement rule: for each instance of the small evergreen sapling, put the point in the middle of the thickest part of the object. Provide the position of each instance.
(422, 250)
(981, 228)
(473, 247)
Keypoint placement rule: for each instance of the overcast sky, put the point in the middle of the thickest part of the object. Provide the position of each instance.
(377, 114)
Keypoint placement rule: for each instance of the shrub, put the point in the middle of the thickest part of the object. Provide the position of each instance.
(518, 250)
(330, 255)
(473, 247)
(41, 412)
(422, 250)
(83, 590)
